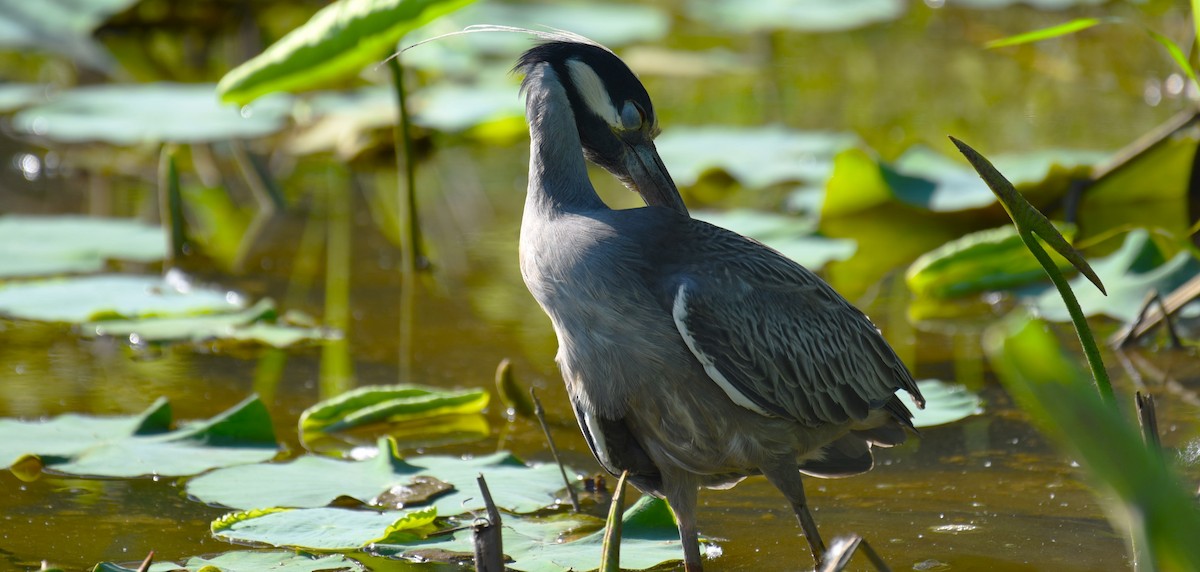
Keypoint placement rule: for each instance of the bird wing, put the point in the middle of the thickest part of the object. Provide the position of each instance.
(776, 338)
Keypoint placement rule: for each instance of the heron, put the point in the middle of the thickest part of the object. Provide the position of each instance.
(692, 356)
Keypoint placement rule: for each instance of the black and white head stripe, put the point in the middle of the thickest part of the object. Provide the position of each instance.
(597, 80)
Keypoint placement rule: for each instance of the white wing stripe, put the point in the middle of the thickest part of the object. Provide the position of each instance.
(679, 313)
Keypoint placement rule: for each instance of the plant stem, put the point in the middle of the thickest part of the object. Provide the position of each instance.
(405, 163)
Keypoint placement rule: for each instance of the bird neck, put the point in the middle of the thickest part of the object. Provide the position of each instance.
(558, 178)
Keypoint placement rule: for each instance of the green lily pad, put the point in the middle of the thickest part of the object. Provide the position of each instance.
(254, 324)
(14, 96)
(808, 16)
(140, 446)
(132, 114)
(944, 403)
(315, 481)
(322, 529)
(378, 403)
(60, 26)
(794, 237)
(1128, 274)
(338, 41)
(43, 245)
(456, 108)
(250, 561)
(756, 157)
(993, 259)
(88, 298)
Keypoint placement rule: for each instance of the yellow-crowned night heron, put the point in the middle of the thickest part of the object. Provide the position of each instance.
(693, 356)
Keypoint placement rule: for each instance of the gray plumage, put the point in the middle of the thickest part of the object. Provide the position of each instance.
(693, 356)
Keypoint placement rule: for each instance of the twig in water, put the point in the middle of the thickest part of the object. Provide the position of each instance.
(541, 417)
(1148, 418)
(489, 545)
(837, 558)
(610, 555)
(145, 567)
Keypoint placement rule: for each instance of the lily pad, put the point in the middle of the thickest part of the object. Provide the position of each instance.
(143, 445)
(456, 108)
(944, 403)
(315, 481)
(250, 561)
(1039, 4)
(378, 403)
(756, 157)
(808, 16)
(1128, 274)
(60, 26)
(322, 529)
(993, 259)
(254, 324)
(132, 114)
(43, 245)
(794, 237)
(14, 96)
(88, 298)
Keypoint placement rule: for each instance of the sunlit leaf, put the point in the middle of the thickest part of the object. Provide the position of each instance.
(130, 114)
(60, 26)
(239, 435)
(14, 96)
(41, 245)
(89, 298)
(809, 16)
(792, 236)
(337, 42)
(254, 324)
(322, 529)
(1063, 400)
(378, 403)
(944, 403)
(456, 108)
(755, 157)
(1046, 33)
(249, 561)
(1128, 274)
(1176, 54)
(993, 259)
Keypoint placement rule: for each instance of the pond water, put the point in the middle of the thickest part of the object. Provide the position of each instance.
(986, 493)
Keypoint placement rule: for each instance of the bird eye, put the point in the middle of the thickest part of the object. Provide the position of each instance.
(632, 116)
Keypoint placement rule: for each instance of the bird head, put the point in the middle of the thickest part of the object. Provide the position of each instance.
(613, 114)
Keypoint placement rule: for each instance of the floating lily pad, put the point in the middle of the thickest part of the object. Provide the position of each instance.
(142, 445)
(315, 481)
(322, 529)
(87, 298)
(42, 245)
(792, 236)
(1128, 274)
(993, 259)
(808, 16)
(378, 403)
(131, 114)
(457, 108)
(14, 96)
(756, 157)
(60, 26)
(944, 403)
(256, 323)
(250, 561)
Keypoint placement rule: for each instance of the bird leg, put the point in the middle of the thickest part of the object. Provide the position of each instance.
(785, 475)
(681, 493)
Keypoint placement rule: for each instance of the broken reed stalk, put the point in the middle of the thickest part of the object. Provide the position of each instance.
(842, 549)
(489, 544)
(610, 555)
(541, 417)
(170, 204)
(1148, 418)
(145, 567)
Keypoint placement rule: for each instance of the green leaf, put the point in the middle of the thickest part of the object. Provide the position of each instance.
(60, 26)
(993, 259)
(755, 157)
(1135, 478)
(250, 561)
(944, 403)
(1064, 29)
(254, 324)
(1176, 54)
(88, 298)
(315, 481)
(794, 237)
(337, 42)
(129, 448)
(322, 529)
(33, 245)
(378, 403)
(1128, 274)
(808, 16)
(133, 114)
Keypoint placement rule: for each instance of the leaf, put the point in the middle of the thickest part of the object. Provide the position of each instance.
(133, 114)
(88, 298)
(755, 157)
(1061, 399)
(60, 26)
(944, 403)
(1063, 29)
(378, 403)
(808, 16)
(1176, 54)
(239, 435)
(254, 324)
(321, 529)
(33, 245)
(793, 237)
(315, 481)
(1128, 274)
(337, 42)
(14, 96)
(992, 259)
(251, 561)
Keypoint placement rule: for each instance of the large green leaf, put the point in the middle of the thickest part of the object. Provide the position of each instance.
(315, 481)
(337, 42)
(59, 26)
(257, 323)
(809, 16)
(131, 114)
(993, 259)
(322, 529)
(756, 157)
(142, 445)
(792, 236)
(1128, 274)
(249, 561)
(40, 245)
(89, 298)
(378, 403)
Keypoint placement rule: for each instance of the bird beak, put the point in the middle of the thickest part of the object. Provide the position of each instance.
(648, 177)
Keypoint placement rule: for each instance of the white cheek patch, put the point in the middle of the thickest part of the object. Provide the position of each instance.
(592, 90)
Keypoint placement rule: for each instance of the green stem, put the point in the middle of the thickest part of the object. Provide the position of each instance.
(414, 258)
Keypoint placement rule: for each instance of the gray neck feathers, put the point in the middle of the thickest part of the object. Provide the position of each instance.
(558, 179)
